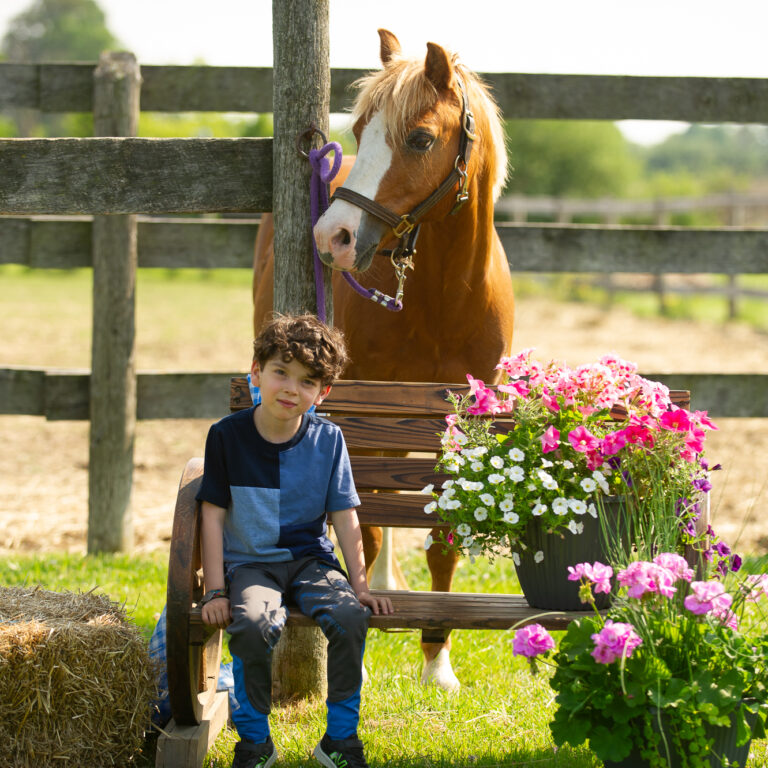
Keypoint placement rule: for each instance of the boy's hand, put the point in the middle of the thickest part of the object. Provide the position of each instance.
(376, 604)
(216, 613)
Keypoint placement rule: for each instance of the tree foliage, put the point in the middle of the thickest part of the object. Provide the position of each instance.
(58, 30)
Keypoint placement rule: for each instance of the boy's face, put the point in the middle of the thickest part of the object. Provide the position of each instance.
(288, 390)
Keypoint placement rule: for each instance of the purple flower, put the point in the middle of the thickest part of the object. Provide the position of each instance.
(614, 641)
(735, 563)
(702, 484)
(531, 641)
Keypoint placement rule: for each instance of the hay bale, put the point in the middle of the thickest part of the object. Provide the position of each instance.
(76, 680)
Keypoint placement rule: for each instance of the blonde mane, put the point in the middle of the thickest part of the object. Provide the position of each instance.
(400, 90)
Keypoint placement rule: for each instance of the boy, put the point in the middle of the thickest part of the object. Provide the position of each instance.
(272, 473)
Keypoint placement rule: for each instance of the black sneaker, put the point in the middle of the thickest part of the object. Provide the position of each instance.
(345, 753)
(250, 755)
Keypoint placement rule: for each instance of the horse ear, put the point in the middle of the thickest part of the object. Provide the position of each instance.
(390, 45)
(438, 67)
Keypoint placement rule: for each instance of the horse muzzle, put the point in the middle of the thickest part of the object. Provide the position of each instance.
(342, 248)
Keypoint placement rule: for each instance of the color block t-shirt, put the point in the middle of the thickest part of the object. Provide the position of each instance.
(276, 495)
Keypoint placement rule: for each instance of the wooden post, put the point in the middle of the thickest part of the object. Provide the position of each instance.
(117, 83)
(301, 97)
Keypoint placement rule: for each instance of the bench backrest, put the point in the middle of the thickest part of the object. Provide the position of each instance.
(381, 422)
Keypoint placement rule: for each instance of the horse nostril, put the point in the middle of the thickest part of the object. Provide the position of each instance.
(344, 237)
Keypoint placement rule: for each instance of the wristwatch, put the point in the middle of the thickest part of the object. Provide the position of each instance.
(212, 594)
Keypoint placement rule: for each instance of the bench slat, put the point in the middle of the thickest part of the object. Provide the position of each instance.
(397, 510)
(402, 473)
(388, 434)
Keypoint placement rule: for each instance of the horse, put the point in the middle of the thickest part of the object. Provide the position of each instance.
(431, 160)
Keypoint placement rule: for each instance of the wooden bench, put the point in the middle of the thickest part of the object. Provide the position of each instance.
(390, 419)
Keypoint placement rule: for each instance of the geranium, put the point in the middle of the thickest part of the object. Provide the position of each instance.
(663, 665)
(550, 442)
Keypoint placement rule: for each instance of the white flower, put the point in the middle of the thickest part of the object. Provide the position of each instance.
(476, 466)
(481, 513)
(506, 504)
(497, 461)
(516, 474)
(464, 483)
(599, 478)
(578, 506)
(448, 483)
(463, 530)
(475, 550)
(511, 517)
(428, 541)
(467, 541)
(428, 489)
(477, 486)
(588, 484)
(431, 507)
(516, 558)
(515, 454)
(495, 478)
(460, 460)
(538, 509)
(449, 493)
(546, 463)
(547, 480)
(481, 450)
(452, 466)
(575, 527)
(592, 509)
(560, 506)
(538, 557)
(453, 504)
(568, 464)
(459, 438)
(487, 499)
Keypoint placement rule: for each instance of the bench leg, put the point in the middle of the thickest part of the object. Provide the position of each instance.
(185, 746)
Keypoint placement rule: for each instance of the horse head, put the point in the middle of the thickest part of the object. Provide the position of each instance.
(414, 130)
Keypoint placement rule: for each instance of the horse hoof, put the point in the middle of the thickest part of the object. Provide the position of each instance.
(439, 672)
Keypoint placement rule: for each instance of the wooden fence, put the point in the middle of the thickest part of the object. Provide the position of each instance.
(78, 181)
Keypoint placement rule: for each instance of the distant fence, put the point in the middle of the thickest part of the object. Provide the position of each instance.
(84, 179)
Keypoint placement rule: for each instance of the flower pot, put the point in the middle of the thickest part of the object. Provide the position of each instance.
(724, 747)
(545, 584)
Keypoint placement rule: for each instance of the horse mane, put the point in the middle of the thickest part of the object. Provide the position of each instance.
(400, 90)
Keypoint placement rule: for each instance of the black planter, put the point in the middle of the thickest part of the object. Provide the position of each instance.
(545, 584)
(724, 747)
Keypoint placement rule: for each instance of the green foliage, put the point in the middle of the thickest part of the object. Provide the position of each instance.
(569, 159)
(58, 30)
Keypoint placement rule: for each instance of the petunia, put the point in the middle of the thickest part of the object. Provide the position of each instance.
(516, 474)
(588, 484)
(538, 557)
(583, 440)
(550, 440)
(463, 530)
(495, 478)
(485, 399)
(487, 499)
(430, 508)
(481, 513)
(497, 462)
(511, 517)
(428, 541)
(515, 454)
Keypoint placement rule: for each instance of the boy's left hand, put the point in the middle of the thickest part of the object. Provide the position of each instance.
(376, 604)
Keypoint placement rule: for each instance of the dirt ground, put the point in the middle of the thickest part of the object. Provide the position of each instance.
(43, 465)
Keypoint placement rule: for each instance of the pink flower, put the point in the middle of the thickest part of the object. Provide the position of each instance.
(708, 597)
(638, 434)
(550, 401)
(531, 641)
(675, 420)
(647, 578)
(614, 641)
(485, 399)
(612, 443)
(757, 587)
(517, 388)
(550, 440)
(583, 440)
(676, 564)
(596, 573)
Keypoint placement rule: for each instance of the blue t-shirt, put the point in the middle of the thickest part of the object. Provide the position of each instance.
(277, 495)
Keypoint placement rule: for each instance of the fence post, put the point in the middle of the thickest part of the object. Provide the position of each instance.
(117, 83)
(301, 96)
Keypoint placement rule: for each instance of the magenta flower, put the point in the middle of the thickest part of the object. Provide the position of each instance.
(550, 440)
(676, 420)
(485, 399)
(612, 443)
(596, 573)
(647, 578)
(708, 597)
(583, 440)
(614, 641)
(676, 564)
(531, 641)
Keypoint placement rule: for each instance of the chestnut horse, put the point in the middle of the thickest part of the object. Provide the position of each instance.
(426, 130)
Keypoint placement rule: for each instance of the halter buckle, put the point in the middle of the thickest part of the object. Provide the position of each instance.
(463, 194)
(468, 124)
(401, 265)
(404, 226)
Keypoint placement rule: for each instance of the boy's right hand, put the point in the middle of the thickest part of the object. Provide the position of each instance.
(216, 613)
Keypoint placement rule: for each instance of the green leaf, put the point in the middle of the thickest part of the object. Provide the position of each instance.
(613, 743)
(569, 729)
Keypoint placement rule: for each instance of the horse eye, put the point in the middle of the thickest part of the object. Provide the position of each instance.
(420, 140)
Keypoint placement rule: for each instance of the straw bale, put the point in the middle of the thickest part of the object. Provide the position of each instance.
(76, 680)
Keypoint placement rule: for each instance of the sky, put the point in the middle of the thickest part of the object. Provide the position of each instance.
(621, 37)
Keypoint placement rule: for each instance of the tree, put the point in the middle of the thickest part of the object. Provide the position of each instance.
(58, 30)
(569, 158)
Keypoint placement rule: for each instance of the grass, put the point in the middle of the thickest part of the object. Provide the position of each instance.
(499, 717)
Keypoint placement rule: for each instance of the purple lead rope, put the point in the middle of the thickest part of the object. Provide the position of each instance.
(322, 175)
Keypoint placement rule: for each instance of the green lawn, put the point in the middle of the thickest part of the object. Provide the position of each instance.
(498, 718)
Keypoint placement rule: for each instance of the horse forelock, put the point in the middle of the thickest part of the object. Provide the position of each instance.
(400, 91)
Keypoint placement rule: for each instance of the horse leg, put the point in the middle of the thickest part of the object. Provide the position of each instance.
(386, 572)
(436, 645)
(372, 540)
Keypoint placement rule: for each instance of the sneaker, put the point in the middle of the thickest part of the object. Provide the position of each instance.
(250, 755)
(345, 753)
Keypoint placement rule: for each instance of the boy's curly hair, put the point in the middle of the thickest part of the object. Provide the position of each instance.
(314, 344)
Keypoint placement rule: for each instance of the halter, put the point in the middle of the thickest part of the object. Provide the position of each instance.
(405, 227)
